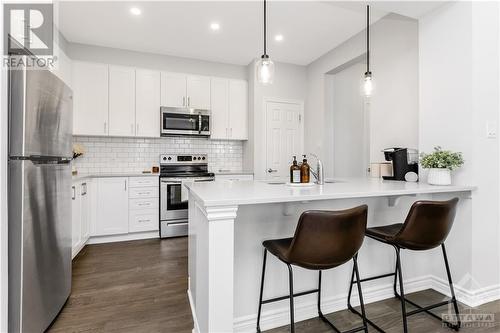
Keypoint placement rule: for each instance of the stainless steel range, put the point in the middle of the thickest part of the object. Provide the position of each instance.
(175, 171)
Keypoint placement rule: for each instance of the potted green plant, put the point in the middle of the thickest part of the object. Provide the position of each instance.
(440, 164)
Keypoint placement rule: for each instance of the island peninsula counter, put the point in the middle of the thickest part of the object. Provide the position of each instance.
(228, 220)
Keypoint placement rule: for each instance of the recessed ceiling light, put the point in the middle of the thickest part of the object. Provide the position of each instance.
(135, 11)
(215, 26)
(278, 38)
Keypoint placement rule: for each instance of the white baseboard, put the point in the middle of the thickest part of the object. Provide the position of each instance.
(306, 310)
(472, 298)
(196, 328)
(123, 237)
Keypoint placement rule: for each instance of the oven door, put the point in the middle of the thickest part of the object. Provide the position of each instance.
(185, 122)
(171, 206)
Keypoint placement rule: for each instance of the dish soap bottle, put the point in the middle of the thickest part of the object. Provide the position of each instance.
(304, 171)
(294, 171)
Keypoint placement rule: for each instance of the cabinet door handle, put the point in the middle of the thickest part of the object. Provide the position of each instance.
(183, 101)
(141, 221)
(105, 127)
(73, 196)
(125, 185)
(271, 170)
(84, 189)
(189, 102)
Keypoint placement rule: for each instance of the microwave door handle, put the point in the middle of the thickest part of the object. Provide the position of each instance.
(199, 123)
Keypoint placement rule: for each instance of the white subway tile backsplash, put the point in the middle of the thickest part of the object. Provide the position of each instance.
(116, 155)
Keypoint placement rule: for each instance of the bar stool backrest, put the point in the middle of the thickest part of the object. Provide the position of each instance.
(326, 239)
(427, 225)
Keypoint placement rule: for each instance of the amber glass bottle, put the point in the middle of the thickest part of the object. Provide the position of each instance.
(304, 171)
(295, 171)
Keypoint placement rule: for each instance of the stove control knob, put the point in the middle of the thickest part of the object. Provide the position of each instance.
(203, 158)
(164, 158)
(169, 158)
(199, 158)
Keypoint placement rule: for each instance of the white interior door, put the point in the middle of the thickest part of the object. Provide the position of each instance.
(284, 137)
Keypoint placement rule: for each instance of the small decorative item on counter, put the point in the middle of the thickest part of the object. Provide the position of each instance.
(441, 163)
(295, 171)
(304, 171)
(78, 150)
(155, 169)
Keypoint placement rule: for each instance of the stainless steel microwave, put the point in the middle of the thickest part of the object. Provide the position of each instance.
(185, 122)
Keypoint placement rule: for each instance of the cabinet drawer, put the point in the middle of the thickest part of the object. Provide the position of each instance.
(143, 220)
(143, 181)
(143, 192)
(148, 203)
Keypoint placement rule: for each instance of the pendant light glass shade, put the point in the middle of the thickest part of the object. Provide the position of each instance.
(368, 84)
(264, 70)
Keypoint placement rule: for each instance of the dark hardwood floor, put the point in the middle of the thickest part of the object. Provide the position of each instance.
(141, 286)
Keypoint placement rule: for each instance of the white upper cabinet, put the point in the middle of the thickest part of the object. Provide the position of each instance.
(220, 107)
(238, 110)
(229, 109)
(121, 101)
(90, 98)
(198, 92)
(181, 90)
(173, 90)
(147, 99)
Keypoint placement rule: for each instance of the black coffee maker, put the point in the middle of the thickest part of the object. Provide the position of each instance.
(404, 160)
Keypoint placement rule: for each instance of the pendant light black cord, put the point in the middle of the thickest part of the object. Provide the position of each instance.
(265, 28)
(367, 39)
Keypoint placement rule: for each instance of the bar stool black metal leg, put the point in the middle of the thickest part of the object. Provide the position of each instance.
(290, 278)
(261, 289)
(319, 294)
(361, 302)
(401, 289)
(395, 281)
(452, 290)
(349, 306)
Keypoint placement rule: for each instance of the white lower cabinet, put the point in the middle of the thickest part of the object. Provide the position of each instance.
(112, 206)
(114, 209)
(234, 177)
(80, 218)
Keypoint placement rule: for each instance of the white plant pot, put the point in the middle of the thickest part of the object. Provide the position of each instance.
(439, 177)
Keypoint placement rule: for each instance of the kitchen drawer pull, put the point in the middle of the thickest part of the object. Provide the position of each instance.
(144, 204)
(142, 221)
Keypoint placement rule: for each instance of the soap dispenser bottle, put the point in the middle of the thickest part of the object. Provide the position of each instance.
(294, 171)
(304, 171)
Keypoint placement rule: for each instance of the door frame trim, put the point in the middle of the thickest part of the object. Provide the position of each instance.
(264, 120)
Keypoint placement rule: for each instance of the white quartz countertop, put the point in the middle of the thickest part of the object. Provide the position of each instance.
(223, 193)
(107, 175)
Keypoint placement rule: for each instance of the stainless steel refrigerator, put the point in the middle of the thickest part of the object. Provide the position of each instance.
(40, 151)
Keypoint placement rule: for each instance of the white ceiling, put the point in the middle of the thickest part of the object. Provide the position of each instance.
(310, 28)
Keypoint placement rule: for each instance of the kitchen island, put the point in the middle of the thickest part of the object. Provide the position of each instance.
(228, 220)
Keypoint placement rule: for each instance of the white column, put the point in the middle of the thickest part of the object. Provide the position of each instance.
(212, 273)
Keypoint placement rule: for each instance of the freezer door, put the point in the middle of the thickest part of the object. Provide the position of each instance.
(40, 114)
(39, 243)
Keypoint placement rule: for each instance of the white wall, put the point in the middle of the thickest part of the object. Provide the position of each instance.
(350, 133)
(290, 82)
(394, 107)
(459, 95)
(153, 61)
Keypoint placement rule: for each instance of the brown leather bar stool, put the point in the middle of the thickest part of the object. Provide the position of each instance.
(322, 240)
(426, 227)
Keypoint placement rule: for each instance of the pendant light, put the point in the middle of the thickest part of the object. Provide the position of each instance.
(368, 78)
(264, 68)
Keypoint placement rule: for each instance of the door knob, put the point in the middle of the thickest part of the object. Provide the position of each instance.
(271, 170)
